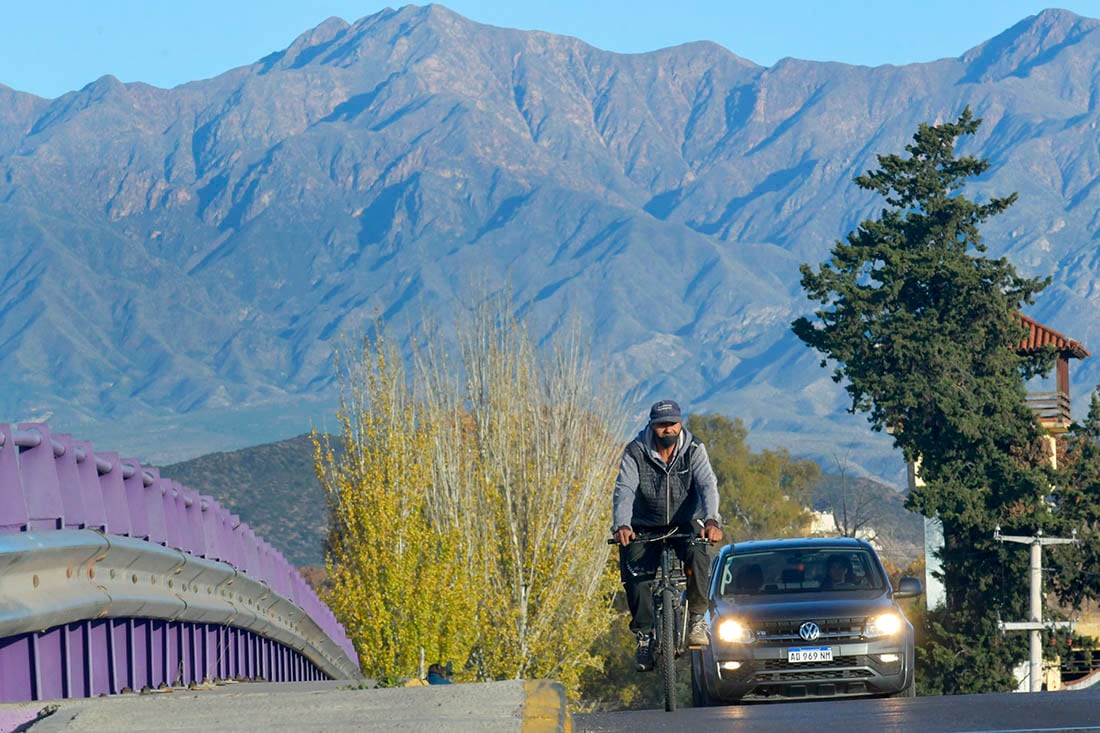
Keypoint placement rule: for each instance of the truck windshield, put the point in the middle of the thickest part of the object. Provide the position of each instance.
(792, 570)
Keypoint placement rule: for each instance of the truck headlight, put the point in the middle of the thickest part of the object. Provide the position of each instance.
(885, 624)
(734, 632)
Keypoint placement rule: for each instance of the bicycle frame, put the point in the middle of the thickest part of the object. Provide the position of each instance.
(669, 610)
(670, 576)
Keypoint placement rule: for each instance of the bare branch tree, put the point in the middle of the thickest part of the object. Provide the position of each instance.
(525, 466)
(854, 513)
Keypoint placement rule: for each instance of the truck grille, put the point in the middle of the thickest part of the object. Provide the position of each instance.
(805, 675)
(841, 668)
(833, 629)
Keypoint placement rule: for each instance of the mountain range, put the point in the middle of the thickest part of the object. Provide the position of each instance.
(177, 263)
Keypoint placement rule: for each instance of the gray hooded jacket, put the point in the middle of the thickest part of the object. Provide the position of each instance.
(651, 493)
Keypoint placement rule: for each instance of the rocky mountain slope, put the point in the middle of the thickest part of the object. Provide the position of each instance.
(177, 262)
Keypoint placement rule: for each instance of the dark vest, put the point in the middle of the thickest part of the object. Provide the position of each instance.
(665, 497)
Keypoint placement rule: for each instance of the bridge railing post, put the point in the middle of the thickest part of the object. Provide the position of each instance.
(229, 540)
(192, 509)
(154, 503)
(173, 518)
(13, 505)
(68, 479)
(87, 476)
(134, 489)
(41, 488)
(210, 531)
(114, 493)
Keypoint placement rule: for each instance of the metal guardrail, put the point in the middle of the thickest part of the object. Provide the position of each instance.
(101, 558)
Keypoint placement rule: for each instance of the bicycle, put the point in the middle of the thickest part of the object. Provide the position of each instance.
(669, 609)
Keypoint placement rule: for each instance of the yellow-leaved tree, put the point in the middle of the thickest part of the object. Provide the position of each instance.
(527, 469)
(497, 480)
(399, 583)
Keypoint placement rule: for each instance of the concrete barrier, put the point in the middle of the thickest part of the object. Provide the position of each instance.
(513, 706)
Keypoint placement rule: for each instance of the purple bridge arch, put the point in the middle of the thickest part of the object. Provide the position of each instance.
(113, 579)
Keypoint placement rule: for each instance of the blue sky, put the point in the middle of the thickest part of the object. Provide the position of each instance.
(50, 47)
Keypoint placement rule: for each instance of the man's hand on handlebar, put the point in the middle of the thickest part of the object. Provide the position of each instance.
(624, 535)
(710, 531)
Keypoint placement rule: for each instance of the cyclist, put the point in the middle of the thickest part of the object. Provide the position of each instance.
(665, 482)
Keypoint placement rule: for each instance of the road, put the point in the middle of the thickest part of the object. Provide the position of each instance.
(1001, 713)
(517, 705)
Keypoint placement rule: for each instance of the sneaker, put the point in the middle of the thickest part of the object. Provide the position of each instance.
(697, 631)
(643, 654)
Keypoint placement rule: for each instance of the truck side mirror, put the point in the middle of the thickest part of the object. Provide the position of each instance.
(908, 588)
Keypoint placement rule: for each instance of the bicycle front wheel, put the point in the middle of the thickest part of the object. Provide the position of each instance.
(667, 647)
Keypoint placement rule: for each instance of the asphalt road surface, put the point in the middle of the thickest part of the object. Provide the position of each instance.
(1001, 713)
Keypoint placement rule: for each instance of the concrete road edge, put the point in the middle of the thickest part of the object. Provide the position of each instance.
(545, 708)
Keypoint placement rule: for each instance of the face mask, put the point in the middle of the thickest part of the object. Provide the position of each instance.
(666, 441)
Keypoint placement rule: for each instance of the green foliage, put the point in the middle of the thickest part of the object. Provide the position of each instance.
(1076, 502)
(965, 659)
(923, 332)
(762, 494)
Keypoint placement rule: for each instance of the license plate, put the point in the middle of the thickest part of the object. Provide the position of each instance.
(810, 654)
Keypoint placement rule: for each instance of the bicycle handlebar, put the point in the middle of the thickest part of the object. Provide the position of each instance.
(664, 536)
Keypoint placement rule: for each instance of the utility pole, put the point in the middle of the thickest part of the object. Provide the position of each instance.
(1036, 624)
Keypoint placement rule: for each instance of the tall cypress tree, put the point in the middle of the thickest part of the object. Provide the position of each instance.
(921, 327)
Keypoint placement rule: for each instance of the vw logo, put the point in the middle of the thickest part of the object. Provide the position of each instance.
(809, 631)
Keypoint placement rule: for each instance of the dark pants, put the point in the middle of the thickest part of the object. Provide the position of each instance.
(638, 562)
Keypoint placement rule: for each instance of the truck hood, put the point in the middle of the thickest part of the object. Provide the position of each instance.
(792, 608)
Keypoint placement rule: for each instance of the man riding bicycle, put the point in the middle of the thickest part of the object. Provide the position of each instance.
(665, 482)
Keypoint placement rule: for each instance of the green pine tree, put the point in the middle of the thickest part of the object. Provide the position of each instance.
(922, 330)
